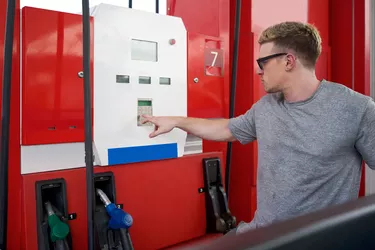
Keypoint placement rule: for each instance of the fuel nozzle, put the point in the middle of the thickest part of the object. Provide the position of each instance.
(118, 217)
(59, 229)
(103, 197)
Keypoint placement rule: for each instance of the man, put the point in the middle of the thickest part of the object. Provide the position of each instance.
(312, 135)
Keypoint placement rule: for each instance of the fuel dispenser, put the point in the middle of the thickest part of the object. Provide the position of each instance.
(125, 87)
(137, 71)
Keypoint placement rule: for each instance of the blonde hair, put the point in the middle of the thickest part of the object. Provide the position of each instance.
(303, 39)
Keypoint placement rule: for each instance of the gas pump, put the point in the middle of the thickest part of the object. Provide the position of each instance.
(51, 182)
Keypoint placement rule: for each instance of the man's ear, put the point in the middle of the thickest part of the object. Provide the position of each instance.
(290, 62)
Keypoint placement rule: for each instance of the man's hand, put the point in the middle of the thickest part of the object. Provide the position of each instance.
(163, 124)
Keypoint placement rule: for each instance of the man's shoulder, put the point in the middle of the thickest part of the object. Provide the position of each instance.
(338, 91)
(332, 93)
(339, 97)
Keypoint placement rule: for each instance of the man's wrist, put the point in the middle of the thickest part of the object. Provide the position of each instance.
(179, 122)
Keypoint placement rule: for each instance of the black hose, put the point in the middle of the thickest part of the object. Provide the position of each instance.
(89, 158)
(61, 245)
(5, 122)
(130, 4)
(125, 239)
(233, 88)
(157, 6)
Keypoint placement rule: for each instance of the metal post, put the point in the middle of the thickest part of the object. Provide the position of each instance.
(233, 88)
(5, 122)
(89, 157)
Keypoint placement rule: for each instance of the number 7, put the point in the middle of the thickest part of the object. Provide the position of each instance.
(214, 61)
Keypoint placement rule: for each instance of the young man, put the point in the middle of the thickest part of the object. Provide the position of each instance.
(312, 135)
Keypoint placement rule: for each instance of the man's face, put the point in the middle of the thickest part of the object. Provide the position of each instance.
(271, 68)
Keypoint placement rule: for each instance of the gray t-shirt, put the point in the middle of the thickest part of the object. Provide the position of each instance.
(309, 152)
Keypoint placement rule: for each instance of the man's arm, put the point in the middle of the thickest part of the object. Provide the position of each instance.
(241, 128)
(365, 143)
(213, 130)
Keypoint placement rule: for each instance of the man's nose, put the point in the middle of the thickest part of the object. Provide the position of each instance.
(259, 71)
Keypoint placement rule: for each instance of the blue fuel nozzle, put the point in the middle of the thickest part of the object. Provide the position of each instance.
(118, 217)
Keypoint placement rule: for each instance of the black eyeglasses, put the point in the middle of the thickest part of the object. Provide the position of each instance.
(263, 60)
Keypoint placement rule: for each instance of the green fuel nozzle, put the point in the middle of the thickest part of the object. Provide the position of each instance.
(59, 229)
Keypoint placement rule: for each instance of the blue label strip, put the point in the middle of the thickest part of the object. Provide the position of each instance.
(142, 153)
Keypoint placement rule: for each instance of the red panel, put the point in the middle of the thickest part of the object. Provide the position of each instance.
(162, 197)
(52, 92)
(206, 82)
(14, 181)
(205, 92)
(342, 54)
(208, 29)
(341, 41)
(198, 16)
(206, 89)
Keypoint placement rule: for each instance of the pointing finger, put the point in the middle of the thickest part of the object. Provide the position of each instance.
(146, 118)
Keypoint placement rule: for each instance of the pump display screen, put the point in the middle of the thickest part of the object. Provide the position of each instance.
(144, 50)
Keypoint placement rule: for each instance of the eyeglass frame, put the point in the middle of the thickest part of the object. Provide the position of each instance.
(262, 60)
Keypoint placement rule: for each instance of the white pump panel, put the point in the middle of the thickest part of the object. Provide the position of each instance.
(140, 66)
